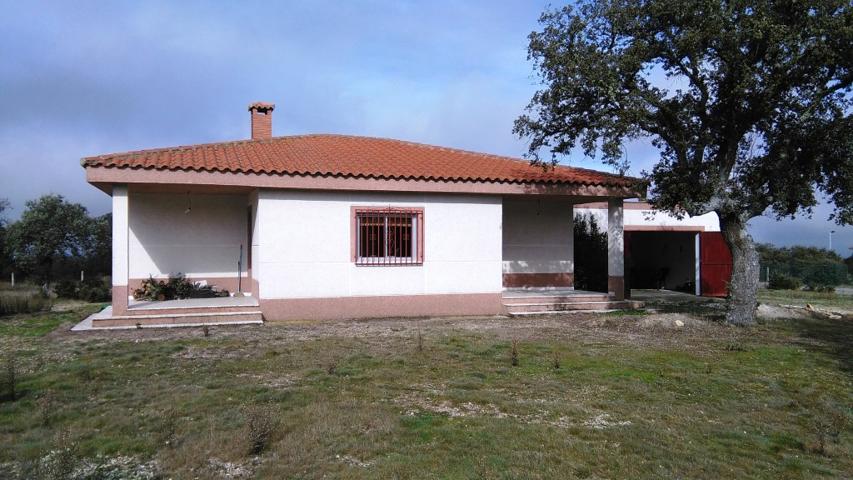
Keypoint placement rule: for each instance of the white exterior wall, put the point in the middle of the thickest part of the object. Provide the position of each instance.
(652, 218)
(120, 235)
(304, 241)
(538, 236)
(205, 242)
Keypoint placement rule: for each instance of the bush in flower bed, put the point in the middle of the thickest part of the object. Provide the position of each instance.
(176, 287)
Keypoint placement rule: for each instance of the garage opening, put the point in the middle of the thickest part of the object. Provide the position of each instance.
(661, 259)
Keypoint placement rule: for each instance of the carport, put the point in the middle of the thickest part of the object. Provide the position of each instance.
(684, 259)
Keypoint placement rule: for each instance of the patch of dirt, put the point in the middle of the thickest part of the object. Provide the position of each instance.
(222, 469)
(602, 421)
(778, 312)
(352, 461)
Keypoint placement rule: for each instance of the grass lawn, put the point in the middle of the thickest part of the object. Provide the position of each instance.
(802, 297)
(635, 396)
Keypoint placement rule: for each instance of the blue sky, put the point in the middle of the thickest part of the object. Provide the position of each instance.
(83, 78)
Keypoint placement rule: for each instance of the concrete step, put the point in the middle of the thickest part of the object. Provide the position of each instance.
(526, 299)
(149, 311)
(243, 316)
(557, 307)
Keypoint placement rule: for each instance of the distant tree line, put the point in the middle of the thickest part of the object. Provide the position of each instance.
(797, 266)
(53, 241)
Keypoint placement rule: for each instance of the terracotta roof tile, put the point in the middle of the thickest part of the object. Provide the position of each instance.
(351, 156)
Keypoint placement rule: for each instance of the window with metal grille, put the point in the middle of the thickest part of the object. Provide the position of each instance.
(388, 236)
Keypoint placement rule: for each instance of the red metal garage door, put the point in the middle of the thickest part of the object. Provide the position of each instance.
(715, 268)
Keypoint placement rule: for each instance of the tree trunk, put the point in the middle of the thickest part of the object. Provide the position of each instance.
(743, 287)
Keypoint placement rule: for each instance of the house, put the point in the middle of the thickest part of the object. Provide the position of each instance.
(336, 226)
(685, 254)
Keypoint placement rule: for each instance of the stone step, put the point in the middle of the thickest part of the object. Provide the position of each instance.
(539, 308)
(525, 299)
(149, 311)
(180, 319)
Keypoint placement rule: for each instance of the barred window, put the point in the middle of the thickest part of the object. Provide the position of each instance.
(388, 236)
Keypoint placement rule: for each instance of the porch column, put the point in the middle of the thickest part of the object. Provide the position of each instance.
(120, 268)
(615, 249)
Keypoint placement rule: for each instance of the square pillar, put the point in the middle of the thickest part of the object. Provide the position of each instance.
(120, 269)
(615, 249)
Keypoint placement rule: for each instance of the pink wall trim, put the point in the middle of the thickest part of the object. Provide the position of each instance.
(616, 287)
(518, 280)
(387, 306)
(120, 299)
(108, 175)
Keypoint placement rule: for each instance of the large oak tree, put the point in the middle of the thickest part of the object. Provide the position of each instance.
(748, 102)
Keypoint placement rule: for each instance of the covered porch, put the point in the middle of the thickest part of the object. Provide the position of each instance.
(202, 233)
(539, 252)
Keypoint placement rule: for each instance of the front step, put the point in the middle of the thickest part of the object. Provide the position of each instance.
(534, 308)
(543, 299)
(243, 316)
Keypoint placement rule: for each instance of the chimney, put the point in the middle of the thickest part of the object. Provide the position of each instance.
(261, 120)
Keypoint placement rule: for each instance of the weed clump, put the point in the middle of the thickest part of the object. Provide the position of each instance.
(555, 360)
(46, 405)
(514, 353)
(169, 427)
(62, 460)
(261, 422)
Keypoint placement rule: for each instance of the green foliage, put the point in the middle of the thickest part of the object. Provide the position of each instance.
(754, 112)
(817, 268)
(90, 290)
(176, 287)
(590, 254)
(780, 281)
(55, 237)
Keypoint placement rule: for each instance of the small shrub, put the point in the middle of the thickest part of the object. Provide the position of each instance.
(556, 360)
(66, 289)
(514, 353)
(261, 422)
(90, 290)
(206, 330)
(169, 428)
(63, 459)
(332, 367)
(175, 288)
(780, 281)
(94, 291)
(46, 406)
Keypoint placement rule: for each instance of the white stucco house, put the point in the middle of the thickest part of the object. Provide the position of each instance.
(334, 226)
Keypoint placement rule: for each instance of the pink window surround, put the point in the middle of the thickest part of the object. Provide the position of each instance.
(417, 215)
